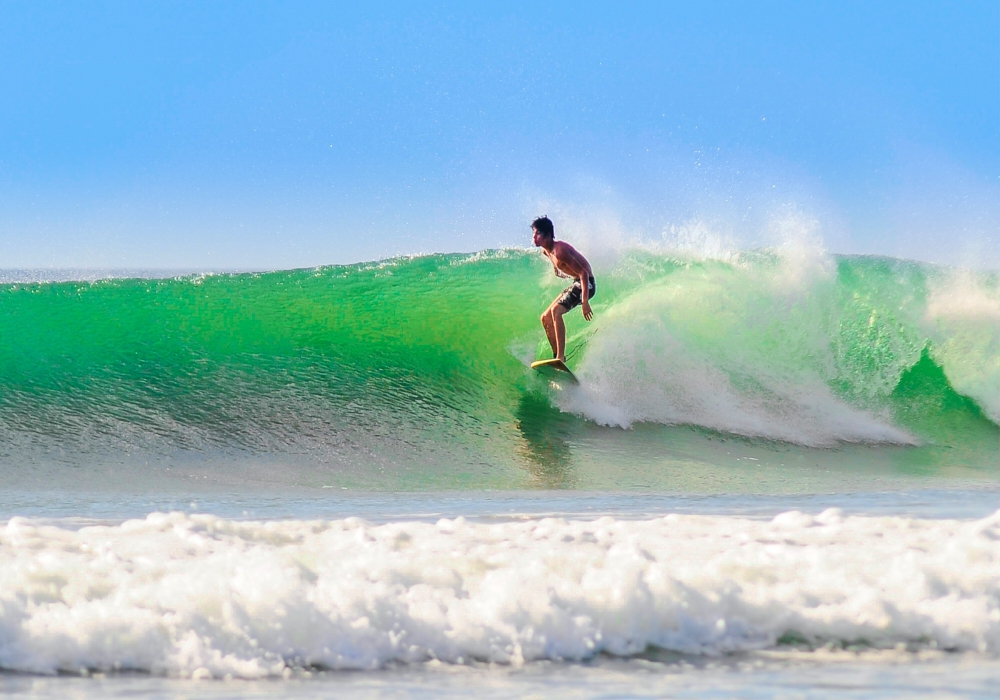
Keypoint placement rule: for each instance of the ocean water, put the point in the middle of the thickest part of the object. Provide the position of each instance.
(778, 477)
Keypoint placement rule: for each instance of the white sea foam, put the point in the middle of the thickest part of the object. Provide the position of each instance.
(736, 348)
(729, 341)
(773, 342)
(195, 595)
(626, 383)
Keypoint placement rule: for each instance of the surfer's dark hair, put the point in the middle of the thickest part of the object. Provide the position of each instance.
(543, 225)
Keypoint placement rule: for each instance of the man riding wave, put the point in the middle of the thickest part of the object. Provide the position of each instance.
(568, 263)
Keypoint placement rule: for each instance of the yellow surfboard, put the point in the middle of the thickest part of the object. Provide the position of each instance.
(555, 370)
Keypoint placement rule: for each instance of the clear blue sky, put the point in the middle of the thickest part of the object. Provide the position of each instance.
(283, 134)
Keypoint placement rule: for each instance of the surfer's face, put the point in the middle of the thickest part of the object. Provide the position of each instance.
(538, 238)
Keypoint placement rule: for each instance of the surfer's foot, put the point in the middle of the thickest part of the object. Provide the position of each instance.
(562, 359)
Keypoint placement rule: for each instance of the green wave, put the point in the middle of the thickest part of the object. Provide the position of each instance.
(419, 363)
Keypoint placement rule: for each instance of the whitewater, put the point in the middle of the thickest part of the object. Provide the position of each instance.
(780, 465)
(202, 596)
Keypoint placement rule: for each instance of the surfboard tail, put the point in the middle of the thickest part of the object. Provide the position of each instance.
(555, 369)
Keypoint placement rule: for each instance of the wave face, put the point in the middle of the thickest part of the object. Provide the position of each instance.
(252, 599)
(424, 359)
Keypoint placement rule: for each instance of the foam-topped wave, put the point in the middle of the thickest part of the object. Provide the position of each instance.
(196, 595)
(741, 346)
(423, 360)
(788, 345)
(963, 318)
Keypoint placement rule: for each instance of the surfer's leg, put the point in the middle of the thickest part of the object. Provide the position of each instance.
(550, 331)
(560, 327)
(554, 327)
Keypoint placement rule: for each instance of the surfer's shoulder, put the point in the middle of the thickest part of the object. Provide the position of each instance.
(568, 254)
(562, 247)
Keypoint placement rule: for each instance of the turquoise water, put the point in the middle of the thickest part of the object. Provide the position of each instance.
(411, 374)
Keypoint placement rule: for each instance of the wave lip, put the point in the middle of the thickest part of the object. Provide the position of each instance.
(252, 599)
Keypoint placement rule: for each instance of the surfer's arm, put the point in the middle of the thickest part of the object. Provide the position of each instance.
(583, 273)
(585, 294)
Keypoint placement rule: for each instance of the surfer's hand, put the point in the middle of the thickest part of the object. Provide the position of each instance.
(587, 311)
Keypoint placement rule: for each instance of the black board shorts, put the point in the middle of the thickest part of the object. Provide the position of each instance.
(572, 296)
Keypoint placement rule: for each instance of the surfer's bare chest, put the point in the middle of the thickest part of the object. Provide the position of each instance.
(558, 265)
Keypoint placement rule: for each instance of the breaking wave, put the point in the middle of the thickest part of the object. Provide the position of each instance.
(410, 356)
(196, 595)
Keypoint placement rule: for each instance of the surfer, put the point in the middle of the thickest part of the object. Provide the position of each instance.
(568, 263)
